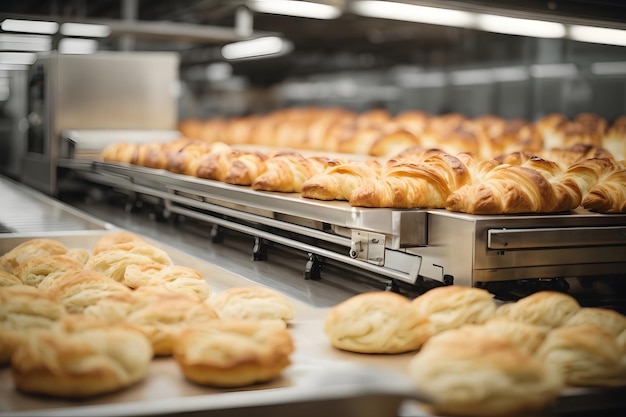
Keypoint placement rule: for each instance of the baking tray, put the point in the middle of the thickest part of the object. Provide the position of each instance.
(319, 381)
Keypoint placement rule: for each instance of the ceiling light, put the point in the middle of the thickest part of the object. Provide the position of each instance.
(84, 29)
(553, 70)
(257, 48)
(413, 13)
(523, 27)
(609, 68)
(77, 46)
(18, 58)
(30, 43)
(30, 26)
(598, 35)
(296, 8)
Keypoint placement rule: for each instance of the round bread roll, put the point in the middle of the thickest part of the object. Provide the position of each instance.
(376, 322)
(585, 354)
(79, 361)
(121, 240)
(24, 308)
(473, 372)
(78, 289)
(610, 320)
(36, 270)
(543, 308)
(252, 303)
(451, 306)
(524, 336)
(233, 353)
(78, 255)
(34, 248)
(178, 279)
(113, 263)
(7, 279)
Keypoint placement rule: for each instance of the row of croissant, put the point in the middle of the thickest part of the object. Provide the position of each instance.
(550, 181)
(379, 133)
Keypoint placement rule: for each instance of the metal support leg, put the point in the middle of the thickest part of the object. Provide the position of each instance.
(313, 267)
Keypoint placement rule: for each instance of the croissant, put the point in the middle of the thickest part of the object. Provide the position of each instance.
(245, 168)
(150, 155)
(215, 165)
(508, 189)
(411, 185)
(608, 195)
(287, 172)
(338, 182)
(393, 143)
(119, 152)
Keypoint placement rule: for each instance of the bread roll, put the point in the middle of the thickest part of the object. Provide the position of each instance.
(36, 270)
(121, 240)
(113, 263)
(473, 372)
(610, 320)
(585, 354)
(7, 279)
(22, 309)
(451, 306)
(252, 303)
(233, 353)
(81, 362)
(544, 308)
(376, 322)
(33, 248)
(409, 185)
(175, 278)
(78, 289)
(524, 336)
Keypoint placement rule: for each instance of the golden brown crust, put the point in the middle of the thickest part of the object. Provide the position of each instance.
(338, 182)
(287, 172)
(252, 303)
(608, 195)
(376, 322)
(88, 361)
(393, 143)
(174, 278)
(122, 240)
(233, 353)
(113, 263)
(36, 270)
(544, 308)
(33, 248)
(452, 306)
(474, 372)
(7, 280)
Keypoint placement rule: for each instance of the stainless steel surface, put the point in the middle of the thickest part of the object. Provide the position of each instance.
(446, 246)
(106, 90)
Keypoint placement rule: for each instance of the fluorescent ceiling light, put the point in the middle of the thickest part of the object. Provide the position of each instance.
(30, 43)
(523, 27)
(608, 68)
(84, 29)
(256, 48)
(18, 58)
(471, 77)
(77, 46)
(296, 8)
(508, 74)
(30, 26)
(553, 70)
(598, 35)
(413, 13)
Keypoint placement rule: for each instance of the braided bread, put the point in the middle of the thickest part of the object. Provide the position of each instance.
(410, 185)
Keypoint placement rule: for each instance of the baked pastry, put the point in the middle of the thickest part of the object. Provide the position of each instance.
(409, 185)
(119, 152)
(393, 143)
(36, 270)
(113, 263)
(121, 240)
(524, 336)
(216, 164)
(79, 361)
(453, 306)
(610, 320)
(175, 278)
(615, 138)
(22, 309)
(245, 168)
(233, 353)
(7, 279)
(150, 155)
(544, 308)
(287, 172)
(78, 289)
(473, 372)
(585, 354)
(376, 322)
(252, 303)
(608, 195)
(32, 248)
(338, 182)
(78, 255)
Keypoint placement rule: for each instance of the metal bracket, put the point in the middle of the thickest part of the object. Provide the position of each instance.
(368, 246)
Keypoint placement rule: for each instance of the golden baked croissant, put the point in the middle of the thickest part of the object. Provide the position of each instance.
(409, 185)
(119, 152)
(338, 182)
(608, 195)
(393, 143)
(287, 172)
(245, 168)
(215, 165)
(186, 159)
